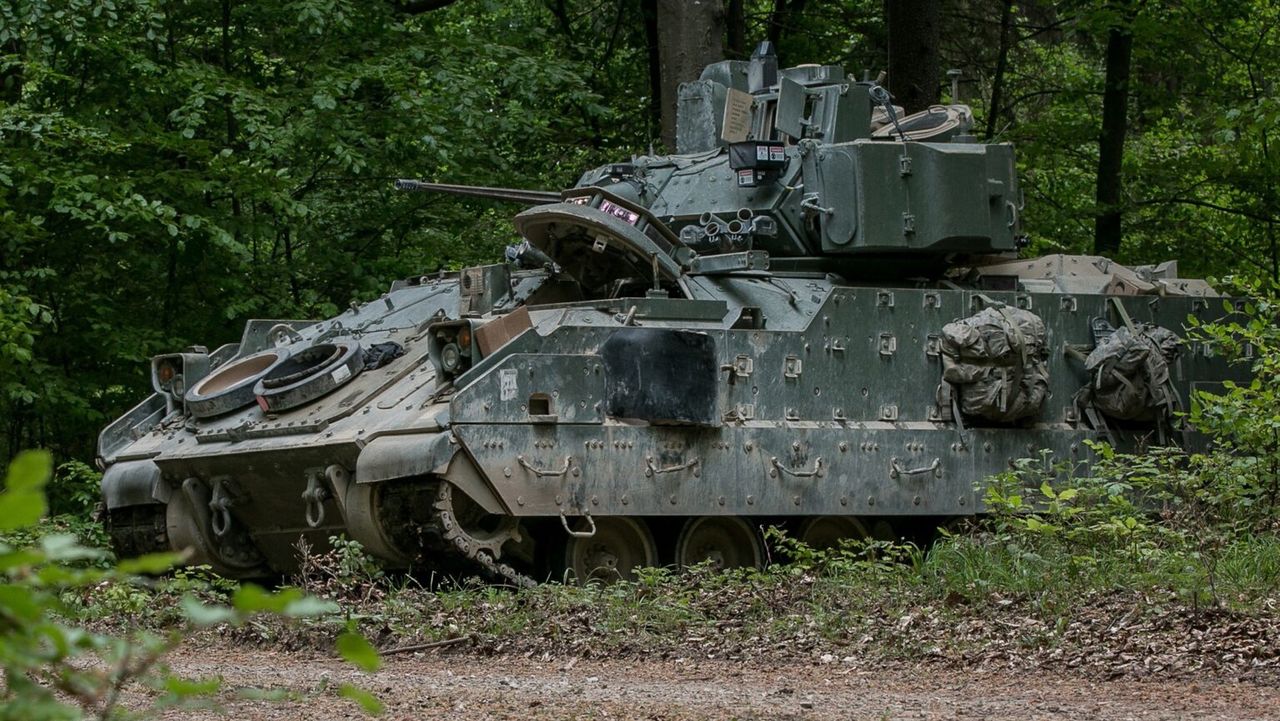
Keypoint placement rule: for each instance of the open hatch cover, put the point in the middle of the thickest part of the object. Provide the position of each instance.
(598, 238)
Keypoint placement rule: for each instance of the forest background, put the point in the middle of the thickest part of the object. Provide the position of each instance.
(171, 169)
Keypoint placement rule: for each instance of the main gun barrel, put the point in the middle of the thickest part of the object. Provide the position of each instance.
(514, 195)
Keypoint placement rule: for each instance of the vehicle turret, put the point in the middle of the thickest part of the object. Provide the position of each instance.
(787, 162)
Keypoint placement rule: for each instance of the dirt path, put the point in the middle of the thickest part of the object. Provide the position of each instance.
(448, 685)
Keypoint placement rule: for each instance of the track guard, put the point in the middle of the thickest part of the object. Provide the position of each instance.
(417, 455)
(133, 483)
(406, 456)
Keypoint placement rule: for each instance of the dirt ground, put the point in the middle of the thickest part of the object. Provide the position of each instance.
(459, 684)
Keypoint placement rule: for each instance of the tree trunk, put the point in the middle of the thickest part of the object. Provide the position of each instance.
(1115, 121)
(690, 36)
(11, 77)
(1002, 62)
(782, 19)
(915, 33)
(736, 21)
(649, 10)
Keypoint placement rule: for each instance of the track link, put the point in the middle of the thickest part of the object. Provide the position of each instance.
(420, 515)
(137, 530)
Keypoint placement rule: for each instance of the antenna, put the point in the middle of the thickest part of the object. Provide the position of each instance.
(881, 96)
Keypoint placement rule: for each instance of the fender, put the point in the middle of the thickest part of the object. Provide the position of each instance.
(404, 456)
(133, 483)
(420, 454)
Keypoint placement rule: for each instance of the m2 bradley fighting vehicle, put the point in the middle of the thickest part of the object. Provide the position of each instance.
(812, 314)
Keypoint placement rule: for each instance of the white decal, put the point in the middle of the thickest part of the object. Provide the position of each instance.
(507, 378)
(341, 374)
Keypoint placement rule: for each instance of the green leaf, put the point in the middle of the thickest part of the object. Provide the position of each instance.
(250, 598)
(20, 602)
(368, 702)
(22, 503)
(1047, 490)
(64, 547)
(357, 650)
(55, 574)
(187, 687)
(150, 563)
(20, 509)
(21, 557)
(29, 471)
(206, 615)
(309, 606)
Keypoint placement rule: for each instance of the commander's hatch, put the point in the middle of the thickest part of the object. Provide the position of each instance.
(610, 246)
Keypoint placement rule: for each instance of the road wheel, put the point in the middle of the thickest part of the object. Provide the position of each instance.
(825, 532)
(617, 548)
(726, 541)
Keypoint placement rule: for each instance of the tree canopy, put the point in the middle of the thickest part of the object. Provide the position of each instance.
(171, 169)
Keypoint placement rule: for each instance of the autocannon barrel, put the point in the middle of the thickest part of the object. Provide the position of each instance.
(514, 195)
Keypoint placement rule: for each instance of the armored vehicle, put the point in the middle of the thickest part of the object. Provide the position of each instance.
(813, 313)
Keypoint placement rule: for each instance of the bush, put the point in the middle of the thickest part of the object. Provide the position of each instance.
(1244, 420)
(57, 669)
(75, 490)
(1203, 525)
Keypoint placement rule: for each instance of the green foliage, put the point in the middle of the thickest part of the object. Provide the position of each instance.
(75, 489)
(57, 669)
(22, 501)
(20, 319)
(367, 701)
(1244, 420)
(356, 649)
(250, 174)
(869, 559)
(1199, 173)
(344, 572)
